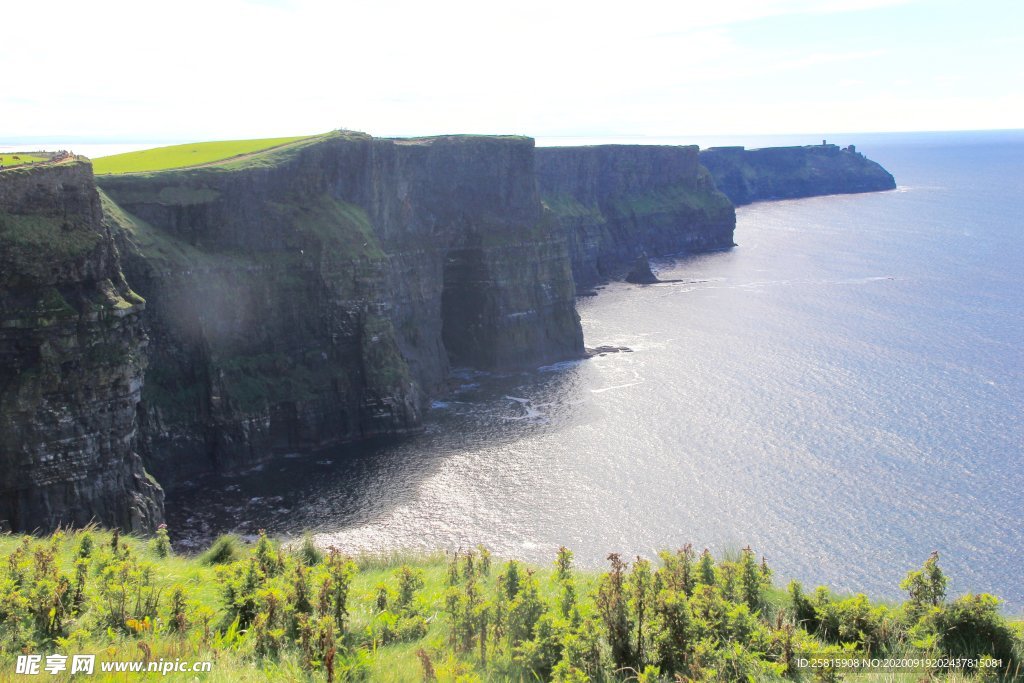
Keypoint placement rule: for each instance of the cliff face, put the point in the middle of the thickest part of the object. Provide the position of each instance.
(71, 360)
(318, 294)
(617, 202)
(747, 176)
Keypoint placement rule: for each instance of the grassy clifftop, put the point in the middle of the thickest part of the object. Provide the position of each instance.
(188, 155)
(22, 158)
(261, 612)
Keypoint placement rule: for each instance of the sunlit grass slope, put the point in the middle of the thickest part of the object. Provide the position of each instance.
(183, 156)
(18, 158)
(262, 612)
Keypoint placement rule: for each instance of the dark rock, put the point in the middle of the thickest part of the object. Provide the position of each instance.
(71, 360)
(641, 273)
(604, 350)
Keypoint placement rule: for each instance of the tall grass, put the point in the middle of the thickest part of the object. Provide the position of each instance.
(267, 612)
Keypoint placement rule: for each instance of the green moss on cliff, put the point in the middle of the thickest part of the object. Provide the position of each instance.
(167, 195)
(253, 382)
(337, 224)
(672, 200)
(106, 296)
(567, 206)
(52, 301)
(156, 246)
(45, 237)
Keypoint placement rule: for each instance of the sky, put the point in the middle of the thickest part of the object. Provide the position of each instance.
(113, 70)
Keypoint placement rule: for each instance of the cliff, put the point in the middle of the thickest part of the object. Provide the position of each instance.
(318, 294)
(71, 360)
(617, 202)
(752, 175)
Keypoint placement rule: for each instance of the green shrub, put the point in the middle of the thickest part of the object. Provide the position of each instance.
(308, 552)
(972, 627)
(926, 586)
(263, 614)
(225, 550)
(161, 543)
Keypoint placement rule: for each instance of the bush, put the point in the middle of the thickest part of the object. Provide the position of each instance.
(161, 543)
(225, 550)
(308, 553)
(926, 586)
(971, 627)
(285, 618)
(853, 620)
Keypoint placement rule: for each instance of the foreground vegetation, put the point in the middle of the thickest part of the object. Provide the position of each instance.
(183, 156)
(260, 612)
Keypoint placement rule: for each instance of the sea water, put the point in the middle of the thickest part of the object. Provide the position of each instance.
(843, 392)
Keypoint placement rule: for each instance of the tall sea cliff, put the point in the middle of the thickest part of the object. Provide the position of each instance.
(174, 323)
(72, 356)
(319, 294)
(616, 203)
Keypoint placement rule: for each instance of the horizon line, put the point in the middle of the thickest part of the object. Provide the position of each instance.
(100, 140)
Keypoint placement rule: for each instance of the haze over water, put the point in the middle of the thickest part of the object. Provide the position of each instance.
(843, 391)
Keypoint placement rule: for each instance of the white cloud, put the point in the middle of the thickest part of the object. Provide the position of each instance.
(199, 68)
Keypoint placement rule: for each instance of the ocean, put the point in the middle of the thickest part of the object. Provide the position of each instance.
(843, 392)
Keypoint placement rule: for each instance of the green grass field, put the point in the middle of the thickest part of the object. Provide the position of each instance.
(261, 612)
(19, 158)
(184, 156)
